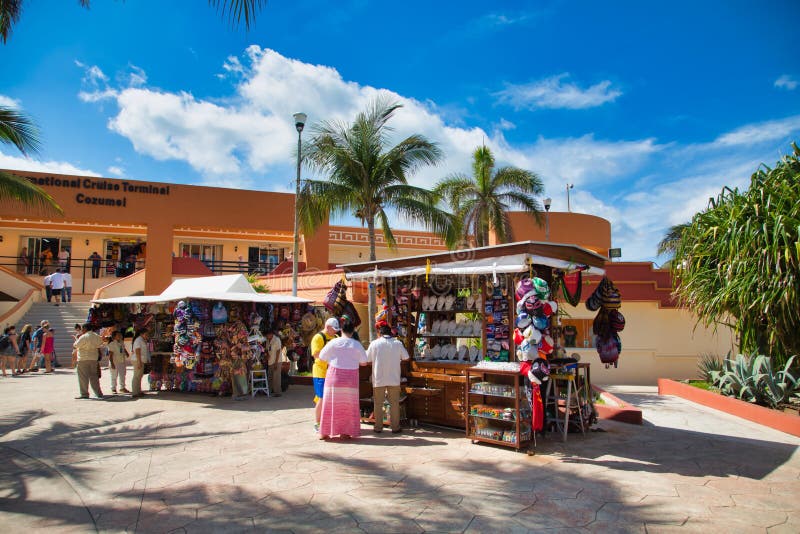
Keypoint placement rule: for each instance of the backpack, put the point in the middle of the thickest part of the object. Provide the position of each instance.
(5, 342)
(608, 349)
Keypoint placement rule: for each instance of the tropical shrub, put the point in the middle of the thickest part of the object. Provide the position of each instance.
(752, 378)
(738, 262)
(708, 364)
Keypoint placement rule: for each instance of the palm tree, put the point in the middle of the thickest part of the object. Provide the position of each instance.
(671, 241)
(236, 10)
(366, 177)
(481, 202)
(18, 130)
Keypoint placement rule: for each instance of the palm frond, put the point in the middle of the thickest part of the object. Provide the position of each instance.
(238, 11)
(19, 130)
(670, 243)
(18, 191)
(519, 180)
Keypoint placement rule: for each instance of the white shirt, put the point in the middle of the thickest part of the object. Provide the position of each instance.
(67, 280)
(144, 348)
(273, 350)
(46, 279)
(343, 353)
(385, 354)
(57, 281)
(87, 346)
(116, 350)
(63, 256)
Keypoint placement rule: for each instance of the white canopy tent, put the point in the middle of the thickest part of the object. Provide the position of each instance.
(233, 287)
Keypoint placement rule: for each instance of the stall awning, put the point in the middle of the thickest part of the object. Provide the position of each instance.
(234, 287)
(511, 258)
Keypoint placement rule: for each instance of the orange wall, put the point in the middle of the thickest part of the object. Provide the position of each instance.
(588, 231)
(184, 205)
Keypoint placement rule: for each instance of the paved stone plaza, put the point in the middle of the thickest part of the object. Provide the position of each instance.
(190, 462)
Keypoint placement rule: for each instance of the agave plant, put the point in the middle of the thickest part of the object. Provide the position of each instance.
(707, 365)
(751, 378)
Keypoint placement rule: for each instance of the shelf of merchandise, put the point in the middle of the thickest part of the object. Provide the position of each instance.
(451, 312)
(514, 401)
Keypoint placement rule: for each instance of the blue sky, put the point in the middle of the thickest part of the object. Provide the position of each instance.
(648, 109)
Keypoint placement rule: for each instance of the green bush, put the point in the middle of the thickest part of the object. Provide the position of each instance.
(751, 378)
(708, 364)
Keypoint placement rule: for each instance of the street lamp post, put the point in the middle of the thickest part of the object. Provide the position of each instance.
(299, 123)
(547, 202)
(569, 186)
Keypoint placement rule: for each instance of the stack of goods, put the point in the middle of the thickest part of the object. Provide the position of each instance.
(492, 412)
(490, 388)
(498, 329)
(609, 321)
(188, 336)
(532, 333)
(503, 434)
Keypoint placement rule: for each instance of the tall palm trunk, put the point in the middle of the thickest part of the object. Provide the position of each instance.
(371, 294)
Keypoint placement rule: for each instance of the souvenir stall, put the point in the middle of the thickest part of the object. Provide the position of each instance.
(207, 333)
(481, 326)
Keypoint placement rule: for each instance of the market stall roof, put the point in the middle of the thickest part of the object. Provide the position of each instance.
(233, 287)
(508, 258)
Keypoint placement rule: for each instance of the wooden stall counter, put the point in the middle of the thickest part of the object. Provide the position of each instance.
(436, 392)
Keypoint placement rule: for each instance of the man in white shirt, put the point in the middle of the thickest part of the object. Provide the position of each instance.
(88, 346)
(67, 291)
(274, 363)
(56, 285)
(385, 354)
(141, 356)
(63, 258)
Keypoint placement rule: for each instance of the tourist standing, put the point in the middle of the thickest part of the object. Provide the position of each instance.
(46, 258)
(75, 335)
(341, 414)
(23, 261)
(56, 285)
(63, 259)
(274, 346)
(116, 361)
(9, 350)
(141, 356)
(385, 354)
(48, 289)
(320, 367)
(96, 259)
(88, 346)
(67, 292)
(37, 337)
(24, 343)
(48, 348)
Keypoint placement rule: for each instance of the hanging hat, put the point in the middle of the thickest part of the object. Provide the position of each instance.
(532, 334)
(523, 287)
(549, 308)
(523, 320)
(539, 371)
(616, 320)
(593, 302)
(518, 337)
(540, 323)
(546, 344)
(541, 288)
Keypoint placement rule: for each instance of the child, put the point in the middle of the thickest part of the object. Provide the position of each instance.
(48, 348)
(116, 360)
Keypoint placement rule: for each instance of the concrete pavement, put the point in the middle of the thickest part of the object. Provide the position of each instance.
(194, 463)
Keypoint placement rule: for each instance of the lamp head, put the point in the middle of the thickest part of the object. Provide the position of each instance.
(547, 203)
(300, 121)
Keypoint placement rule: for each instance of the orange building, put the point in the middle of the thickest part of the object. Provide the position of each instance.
(133, 224)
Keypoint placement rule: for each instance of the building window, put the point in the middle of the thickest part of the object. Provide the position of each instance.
(201, 251)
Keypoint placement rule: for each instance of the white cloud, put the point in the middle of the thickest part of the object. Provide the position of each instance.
(248, 140)
(8, 102)
(27, 164)
(774, 130)
(118, 172)
(787, 82)
(555, 93)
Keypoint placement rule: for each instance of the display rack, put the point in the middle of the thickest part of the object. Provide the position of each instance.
(498, 411)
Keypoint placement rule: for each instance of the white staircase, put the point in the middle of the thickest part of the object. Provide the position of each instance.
(62, 319)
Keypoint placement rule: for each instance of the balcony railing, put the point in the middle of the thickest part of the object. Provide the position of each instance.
(80, 268)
